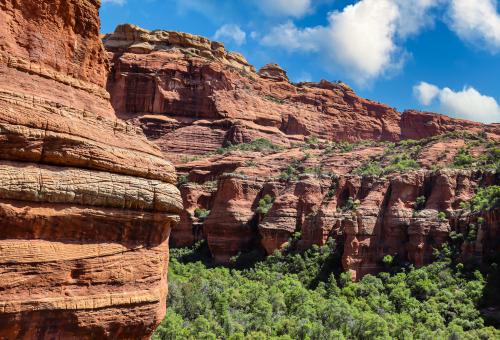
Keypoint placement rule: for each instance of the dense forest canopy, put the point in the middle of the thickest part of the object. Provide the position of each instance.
(303, 295)
(282, 298)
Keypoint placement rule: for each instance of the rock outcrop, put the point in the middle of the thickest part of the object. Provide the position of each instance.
(417, 125)
(195, 103)
(387, 221)
(192, 96)
(86, 202)
(132, 39)
(273, 71)
(368, 216)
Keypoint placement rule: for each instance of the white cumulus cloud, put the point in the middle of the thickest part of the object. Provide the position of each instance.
(363, 39)
(291, 38)
(115, 2)
(415, 15)
(426, 92)
(467, 103)
(292, 8)
(231, 32)
(476, 21)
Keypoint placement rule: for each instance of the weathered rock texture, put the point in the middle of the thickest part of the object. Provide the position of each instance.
(386, 218)
(192, 97)
(86, 202)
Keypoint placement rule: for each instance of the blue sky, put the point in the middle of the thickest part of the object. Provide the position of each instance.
(436, 55)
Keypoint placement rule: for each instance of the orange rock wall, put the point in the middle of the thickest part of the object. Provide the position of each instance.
(191, 97)
(86, 202)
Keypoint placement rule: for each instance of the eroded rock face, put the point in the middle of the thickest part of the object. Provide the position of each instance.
(273, 71)
(191, 98)
(133, 39)
(180, 92)
(387, 220)
(416, 125)
(86, 202)
(383, 217)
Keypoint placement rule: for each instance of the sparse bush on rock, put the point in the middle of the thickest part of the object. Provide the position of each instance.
(265, 204)
(260, 145)
(201, 213)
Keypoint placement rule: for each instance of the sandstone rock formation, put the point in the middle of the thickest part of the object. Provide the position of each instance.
(273, 71)
(192, 101)
(86, 202)
(192, 98)
(317, 201)
(416, 125)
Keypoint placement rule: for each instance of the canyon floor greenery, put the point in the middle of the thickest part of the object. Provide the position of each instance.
(293, 295)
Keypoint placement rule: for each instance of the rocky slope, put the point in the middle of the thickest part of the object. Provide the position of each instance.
(324, 190)
(238, 135)
(86, 202)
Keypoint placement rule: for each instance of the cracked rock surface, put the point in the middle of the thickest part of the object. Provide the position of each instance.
(86, 202)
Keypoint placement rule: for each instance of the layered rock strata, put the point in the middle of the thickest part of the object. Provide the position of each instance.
(192, 96)
(368, 216)
(192, 99)
(86, 202)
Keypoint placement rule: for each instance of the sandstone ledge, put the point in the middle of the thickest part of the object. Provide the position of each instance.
(33, 68)
(130, 38)
(37, 183)
(82, 302)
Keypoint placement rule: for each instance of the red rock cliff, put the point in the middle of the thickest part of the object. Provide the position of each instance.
(384, 220)
(86, 202)
(192, 97)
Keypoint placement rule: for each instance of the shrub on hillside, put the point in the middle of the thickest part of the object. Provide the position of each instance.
(370, 168)
(265, 204)
(201, 213)
(485, 199)
(259, 145)
(420, 203)
(401, 163)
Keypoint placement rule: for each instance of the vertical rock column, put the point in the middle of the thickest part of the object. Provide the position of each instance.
(86, 203)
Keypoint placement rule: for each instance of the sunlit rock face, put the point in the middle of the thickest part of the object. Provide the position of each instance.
(191, 96)
(386, 218)
(86, 202)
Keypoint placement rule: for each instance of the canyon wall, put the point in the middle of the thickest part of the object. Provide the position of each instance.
(192, 96)
(403, 214)
(86, 202)
(196, 101)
